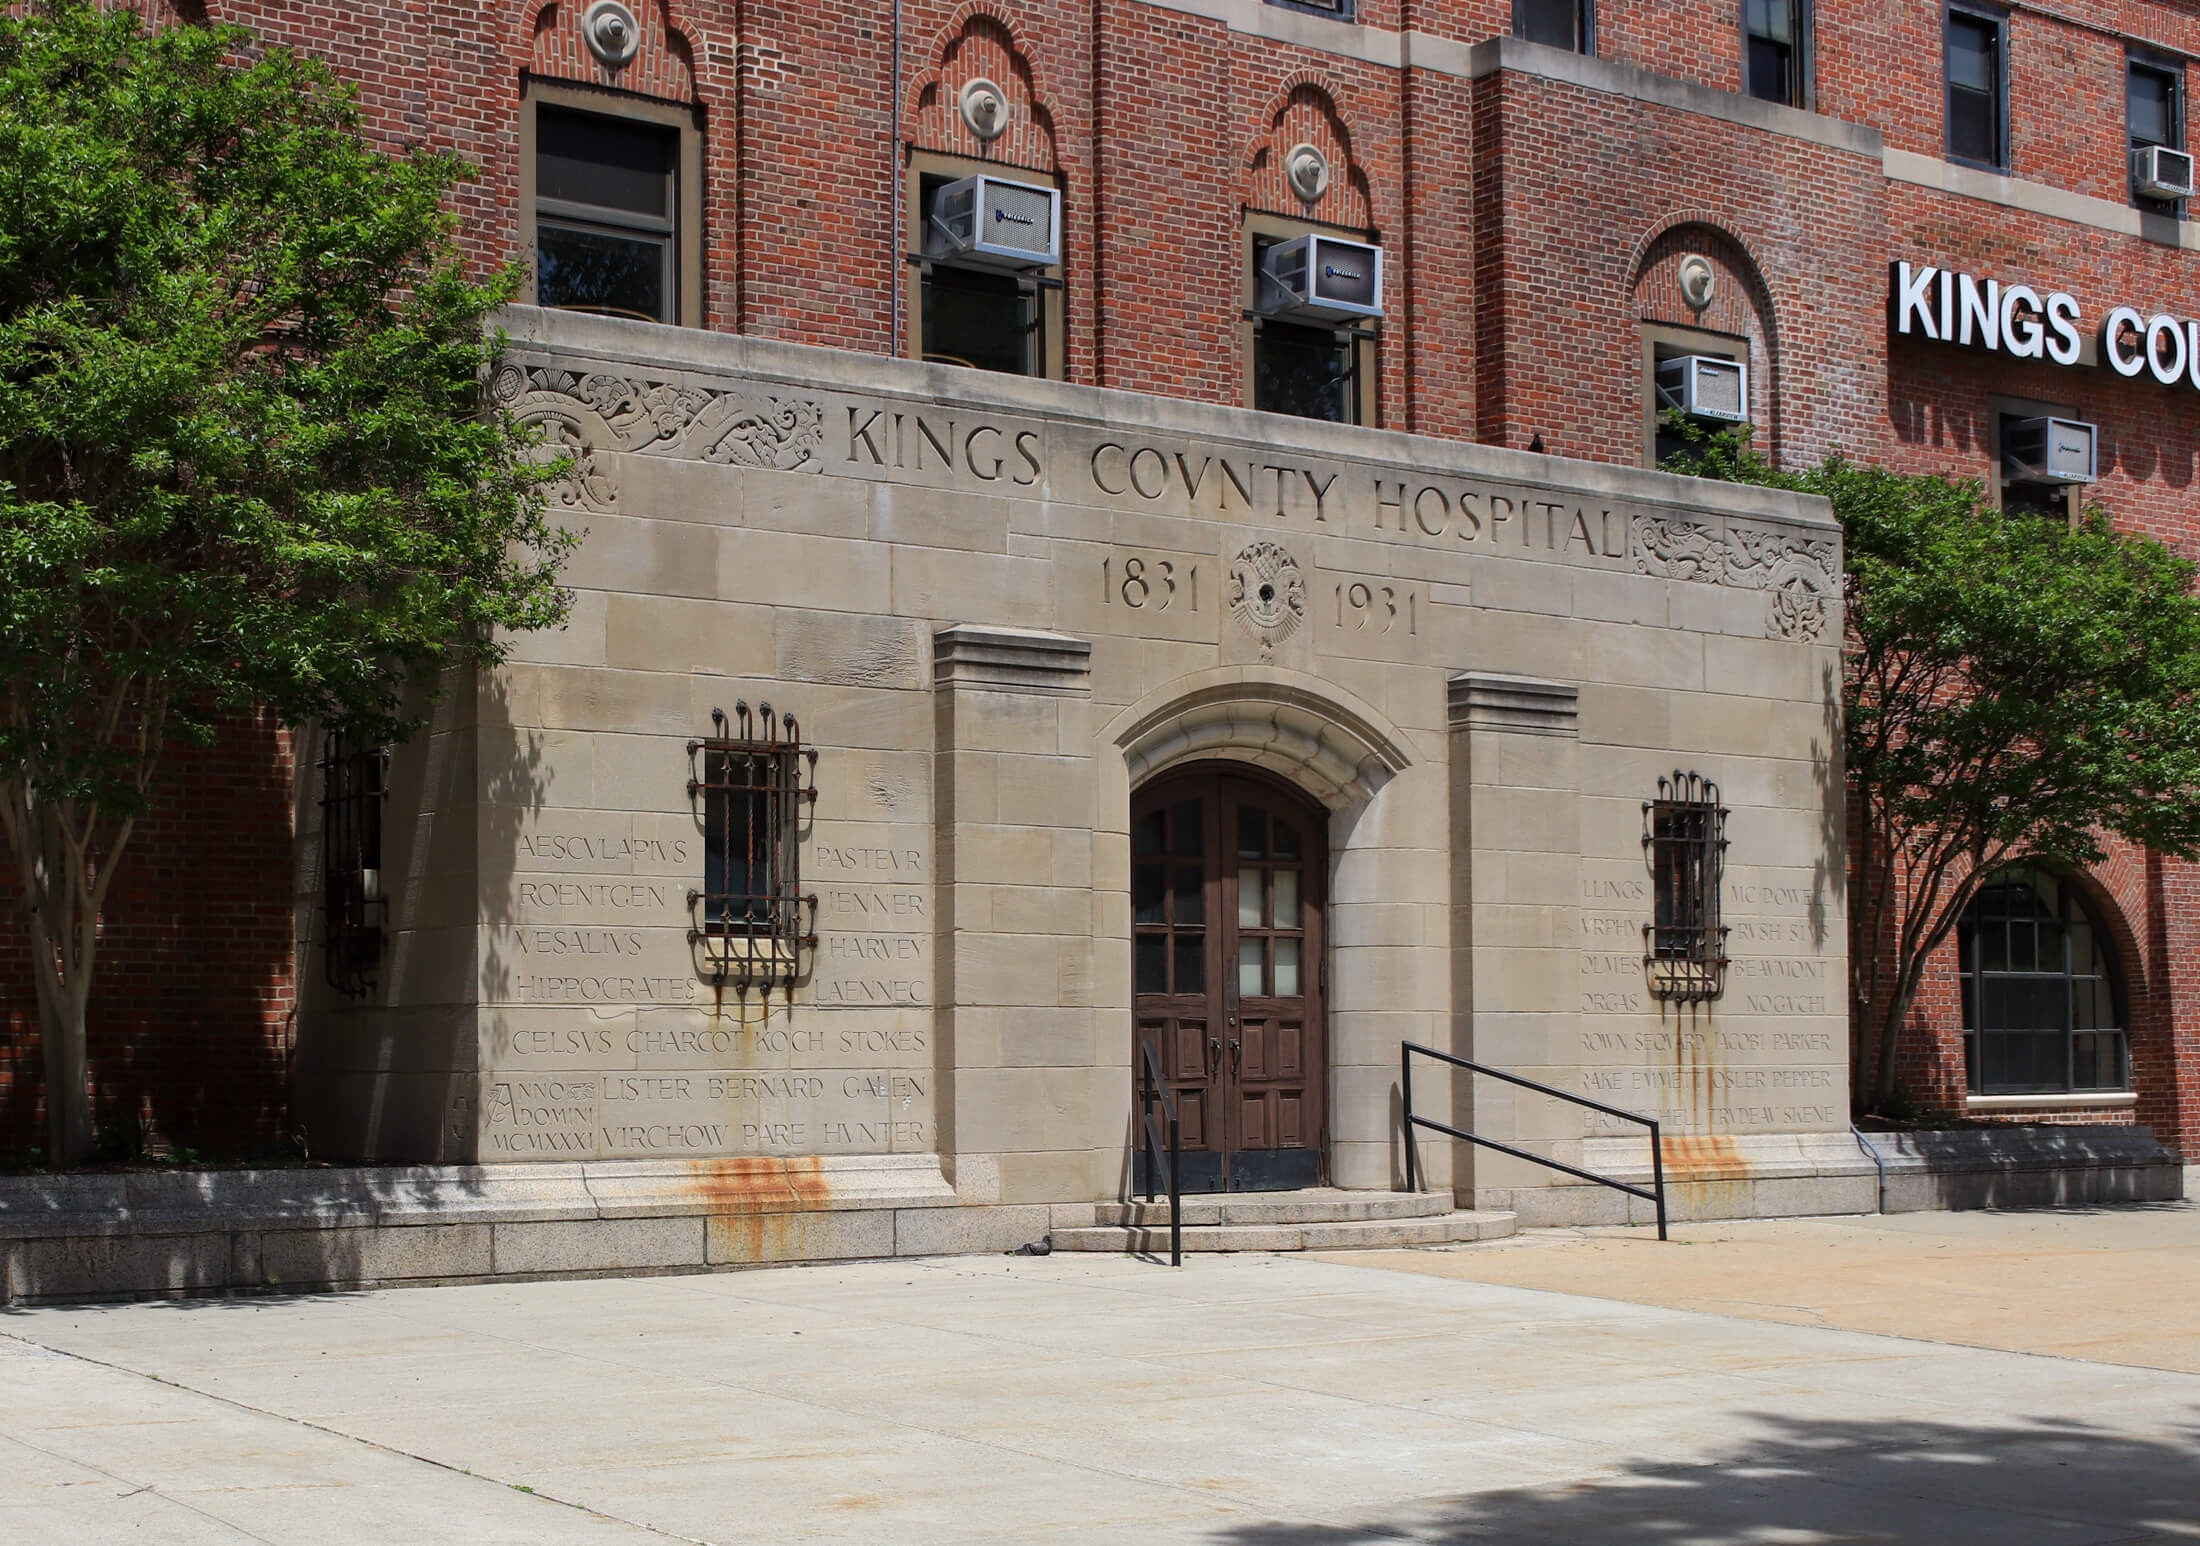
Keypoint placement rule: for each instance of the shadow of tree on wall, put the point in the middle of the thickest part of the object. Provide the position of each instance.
(193, 992)
(1811, 1480)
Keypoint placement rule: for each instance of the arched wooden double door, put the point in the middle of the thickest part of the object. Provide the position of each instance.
(1227, 898)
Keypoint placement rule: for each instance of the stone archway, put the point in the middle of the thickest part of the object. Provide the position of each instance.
(1386, 886)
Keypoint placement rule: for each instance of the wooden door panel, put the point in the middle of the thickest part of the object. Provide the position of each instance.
(1253, 1126)
(1228, 883)
(1194, 1131)
(1186, 1058)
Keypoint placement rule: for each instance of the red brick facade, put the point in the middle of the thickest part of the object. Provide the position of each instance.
(1534, 209)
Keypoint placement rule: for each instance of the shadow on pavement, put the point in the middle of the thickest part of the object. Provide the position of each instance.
(1947, 1484)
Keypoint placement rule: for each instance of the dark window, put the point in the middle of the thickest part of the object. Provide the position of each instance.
(1671, 442)
(1684, 829)
(978, 318)
(1977, 77)
(1774, 34)
(1168, 900)
(2039, 992)
(2154, 112)
(606, 214)
(750, 917)
(1304, 369)
(1568, 24)
(353, 788)
(1342, 10)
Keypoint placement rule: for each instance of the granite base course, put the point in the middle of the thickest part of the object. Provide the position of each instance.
(1800, 1175)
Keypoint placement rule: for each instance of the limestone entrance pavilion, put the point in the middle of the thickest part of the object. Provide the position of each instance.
(927, 744)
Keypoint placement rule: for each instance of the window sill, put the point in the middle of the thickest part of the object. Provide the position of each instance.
(2082, 1100)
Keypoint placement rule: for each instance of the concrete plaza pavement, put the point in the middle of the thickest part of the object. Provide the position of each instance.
(2119, 1284)
(1241, 1401)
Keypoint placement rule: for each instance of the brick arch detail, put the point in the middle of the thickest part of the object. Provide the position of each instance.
(1670, 236)
(544, 37)
(1304, 108)
(980, 39)
(1654, 296)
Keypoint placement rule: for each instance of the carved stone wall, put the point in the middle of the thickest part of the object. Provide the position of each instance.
(994, 606)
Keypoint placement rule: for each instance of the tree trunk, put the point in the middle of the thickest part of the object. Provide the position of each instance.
(68, 1096)
(1890, 1039)
(63, 896)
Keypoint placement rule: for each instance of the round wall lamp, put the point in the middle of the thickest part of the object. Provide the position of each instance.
(1699, 281)
(613, 35)
(984, 108)
(1307, 170)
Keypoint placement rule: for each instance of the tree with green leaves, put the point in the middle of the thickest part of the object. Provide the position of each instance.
(245, 462)
(2017, 689)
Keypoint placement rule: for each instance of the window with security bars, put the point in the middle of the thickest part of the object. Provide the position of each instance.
(353, 787)
(2039, 992)
(750, 920)
(1684, 834)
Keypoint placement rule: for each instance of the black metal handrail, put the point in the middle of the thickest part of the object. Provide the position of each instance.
(1151, 1086)
(1654, 1194)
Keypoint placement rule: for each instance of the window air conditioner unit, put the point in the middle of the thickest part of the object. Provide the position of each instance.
(993, 223)
(2048, 451)
(1703, 386)
(1321, 279)
(2161, 173)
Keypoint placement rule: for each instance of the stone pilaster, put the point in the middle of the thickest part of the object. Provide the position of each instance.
(1012, 802)
(1516, 948)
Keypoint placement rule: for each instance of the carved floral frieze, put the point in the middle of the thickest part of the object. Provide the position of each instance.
(1799, 569)
(586, 413)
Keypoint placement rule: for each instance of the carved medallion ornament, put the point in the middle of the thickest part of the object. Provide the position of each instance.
(1798, 611)
(1267, 593)
(583, 414)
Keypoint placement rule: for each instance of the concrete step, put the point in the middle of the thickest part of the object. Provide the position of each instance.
(1347, 1235)
(1320, 1205)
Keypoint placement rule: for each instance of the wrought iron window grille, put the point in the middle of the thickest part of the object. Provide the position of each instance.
(354, 912)
(1684, 837)
(750, 923)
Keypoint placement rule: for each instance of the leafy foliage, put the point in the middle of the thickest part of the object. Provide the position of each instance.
(2016, 689)
(244, 458)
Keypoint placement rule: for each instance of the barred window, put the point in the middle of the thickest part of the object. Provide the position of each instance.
(353, 787)
(751, 920)
(1684, 832)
